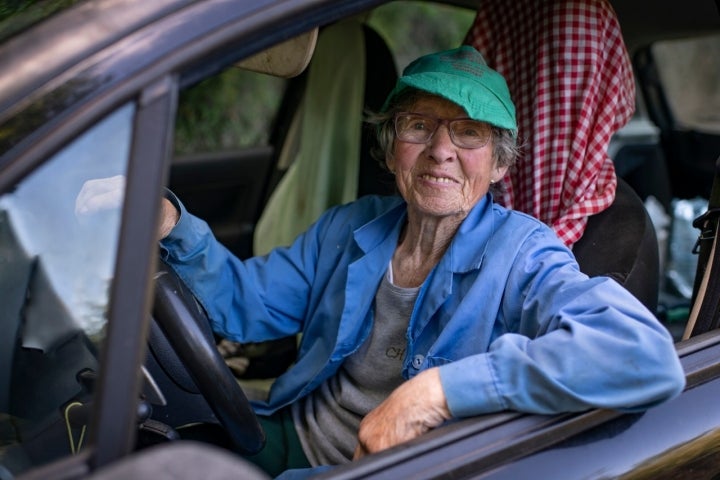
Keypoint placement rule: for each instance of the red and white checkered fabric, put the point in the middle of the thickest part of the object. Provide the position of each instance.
(571, 79)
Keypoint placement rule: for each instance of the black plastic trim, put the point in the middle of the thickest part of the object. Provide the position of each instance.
(125, 345)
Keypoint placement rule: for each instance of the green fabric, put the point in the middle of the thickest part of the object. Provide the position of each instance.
(282, 449)
(462, 76)
(324, 171)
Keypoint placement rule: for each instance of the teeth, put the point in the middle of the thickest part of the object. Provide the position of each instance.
(437, 179)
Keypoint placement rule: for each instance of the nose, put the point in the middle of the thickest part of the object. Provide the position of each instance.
(441, 147)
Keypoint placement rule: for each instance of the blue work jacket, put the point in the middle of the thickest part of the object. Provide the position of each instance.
(506, 314)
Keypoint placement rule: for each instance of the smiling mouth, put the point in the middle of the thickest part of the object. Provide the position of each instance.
(437, 179)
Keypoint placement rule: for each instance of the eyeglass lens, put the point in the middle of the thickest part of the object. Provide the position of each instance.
(464, 132)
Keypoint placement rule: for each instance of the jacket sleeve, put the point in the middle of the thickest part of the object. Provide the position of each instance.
(573, 343)
(247, 301)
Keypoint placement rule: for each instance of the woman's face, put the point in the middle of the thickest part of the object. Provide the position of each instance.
(439, 178)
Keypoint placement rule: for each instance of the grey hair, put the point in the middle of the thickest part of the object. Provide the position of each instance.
(505, 149)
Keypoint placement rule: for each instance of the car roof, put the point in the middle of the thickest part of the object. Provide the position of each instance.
(644, 22)
(65, 40)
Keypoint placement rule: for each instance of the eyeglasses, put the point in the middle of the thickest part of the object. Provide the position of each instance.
(464, 132)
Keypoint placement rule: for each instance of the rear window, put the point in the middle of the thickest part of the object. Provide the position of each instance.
(690, 72)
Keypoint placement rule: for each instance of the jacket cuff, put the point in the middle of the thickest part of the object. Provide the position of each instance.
(187, 233)
(470, 388)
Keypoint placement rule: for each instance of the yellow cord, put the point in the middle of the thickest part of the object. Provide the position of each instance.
(73, 448)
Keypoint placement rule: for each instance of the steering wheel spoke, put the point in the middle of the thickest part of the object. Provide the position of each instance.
(187, 329)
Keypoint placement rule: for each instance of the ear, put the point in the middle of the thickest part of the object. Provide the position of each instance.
(498, 174)
(390, 163)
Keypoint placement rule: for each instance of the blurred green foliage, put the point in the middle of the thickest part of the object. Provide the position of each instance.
(236, 108)
(412, 29)
(227, 111)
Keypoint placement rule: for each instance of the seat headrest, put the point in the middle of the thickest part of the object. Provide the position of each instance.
(287, 59)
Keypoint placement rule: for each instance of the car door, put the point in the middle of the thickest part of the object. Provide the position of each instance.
(79, 285)
(57, 276)
(226, 147)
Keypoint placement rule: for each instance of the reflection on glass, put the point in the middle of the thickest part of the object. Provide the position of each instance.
(55, 271)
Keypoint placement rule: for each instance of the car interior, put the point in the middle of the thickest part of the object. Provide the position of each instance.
(633, 258)
(238, 186)
(621, 242)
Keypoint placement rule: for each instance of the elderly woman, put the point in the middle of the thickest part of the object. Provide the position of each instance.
(431, 305)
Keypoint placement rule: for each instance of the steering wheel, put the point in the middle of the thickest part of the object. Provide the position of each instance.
(187, 329)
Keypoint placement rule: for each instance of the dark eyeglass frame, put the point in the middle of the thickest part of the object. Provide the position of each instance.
(449, 123)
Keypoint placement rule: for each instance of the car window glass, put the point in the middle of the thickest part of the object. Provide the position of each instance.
(412, 29)
(222, 152)
(232, 110)
(55, 272)
(690, 72)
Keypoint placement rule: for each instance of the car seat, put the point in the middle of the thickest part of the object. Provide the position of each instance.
(325, 151)
(380, 78)
(356, 77)
(571, 79)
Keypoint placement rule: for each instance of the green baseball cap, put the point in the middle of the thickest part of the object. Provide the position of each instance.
(462, 76)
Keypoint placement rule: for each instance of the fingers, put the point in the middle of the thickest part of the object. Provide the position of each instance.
(104, 194)
(169, 217)
(100, 194)
(415, 407)
(359, 452)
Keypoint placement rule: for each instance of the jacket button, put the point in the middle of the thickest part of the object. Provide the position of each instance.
(417, 361)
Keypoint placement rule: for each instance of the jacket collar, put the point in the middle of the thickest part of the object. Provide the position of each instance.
(467, 249)
(382, 228)
(470, 243)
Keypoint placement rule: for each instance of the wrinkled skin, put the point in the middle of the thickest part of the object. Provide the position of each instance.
(441, 183)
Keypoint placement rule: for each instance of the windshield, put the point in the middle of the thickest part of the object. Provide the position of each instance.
(55, 274)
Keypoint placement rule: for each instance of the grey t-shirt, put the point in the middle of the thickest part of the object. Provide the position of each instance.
(328, 419)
